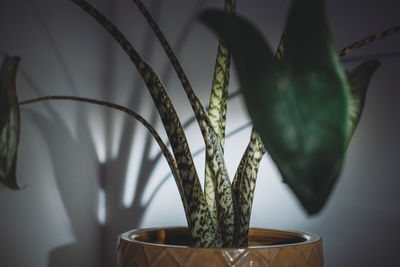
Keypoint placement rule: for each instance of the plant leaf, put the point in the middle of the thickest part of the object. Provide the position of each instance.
(299, 106)
(217, 113)
(243, 186)
(220, 84)
(372, 38)
(199, 219)
(163, 147)
(214, 150)
(9, 123)
(244, 182)
(359, 79)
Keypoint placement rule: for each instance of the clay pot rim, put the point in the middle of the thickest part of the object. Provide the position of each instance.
(309, 238)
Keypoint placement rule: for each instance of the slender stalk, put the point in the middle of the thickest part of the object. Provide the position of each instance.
(170, 159)
(217, 115)
(193, 99)
(367, 40)
(214, 149)
(197, 214)
(96, 102)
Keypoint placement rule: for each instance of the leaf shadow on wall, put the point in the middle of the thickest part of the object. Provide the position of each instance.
(80, 176)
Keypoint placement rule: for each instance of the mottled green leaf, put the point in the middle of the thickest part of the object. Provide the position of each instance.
(299, 106)
(359, 79)
(220, 84)
(217, 115)
(214, 151)
(197, 213)
(243, 187)
(9, 123)
(372, 38)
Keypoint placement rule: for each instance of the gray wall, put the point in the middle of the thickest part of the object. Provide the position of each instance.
(74, 158)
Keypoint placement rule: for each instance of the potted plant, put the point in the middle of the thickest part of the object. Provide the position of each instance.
(219, 216)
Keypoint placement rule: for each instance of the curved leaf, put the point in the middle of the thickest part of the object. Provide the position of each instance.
(9, 123)
(198, 216)
(220, 84)
(372, 38)
(214, 151)
(217, 115)
(243, 187)
(299, 106)
(359, 79)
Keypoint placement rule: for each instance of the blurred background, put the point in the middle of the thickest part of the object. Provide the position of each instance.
(90, 173)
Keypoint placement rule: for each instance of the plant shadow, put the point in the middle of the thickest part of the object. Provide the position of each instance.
(80, 176)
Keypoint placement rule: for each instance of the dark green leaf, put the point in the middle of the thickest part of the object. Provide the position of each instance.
(299, 106)
(9, 123)
(359, 79)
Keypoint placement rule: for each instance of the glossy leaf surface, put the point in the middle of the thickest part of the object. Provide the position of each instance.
(299, 106)
(197, 213)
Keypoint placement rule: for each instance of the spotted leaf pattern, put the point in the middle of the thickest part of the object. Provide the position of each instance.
(214, 148)
(198, 216)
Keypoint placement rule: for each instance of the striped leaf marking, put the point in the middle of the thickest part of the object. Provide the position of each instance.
(198, 217)
(243, 186)
(244, 182)
(367, 40)
(164, 149)
(220, 85)
(217, 113)
(213, 146)
(346, 50)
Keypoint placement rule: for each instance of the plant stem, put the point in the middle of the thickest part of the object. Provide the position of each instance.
(168, 156)
(126, 110)
(105, 104)
(367, 40)
(91, 101)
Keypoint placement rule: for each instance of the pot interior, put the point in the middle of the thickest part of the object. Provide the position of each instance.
(257, 237)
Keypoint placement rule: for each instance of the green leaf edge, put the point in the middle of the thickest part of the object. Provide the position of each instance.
(10, 110)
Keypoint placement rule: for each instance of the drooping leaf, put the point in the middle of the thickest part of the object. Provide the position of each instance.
(299, 106)
(244, 182)
(214, 151)
(367, 40)
(217, 114)
(163, 147)
(9, 123)
(198, 216)
(243, 187)
(220, 84)
(359, 79)
(321, 89)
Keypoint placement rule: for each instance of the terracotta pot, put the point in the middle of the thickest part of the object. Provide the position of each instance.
(171, 247)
